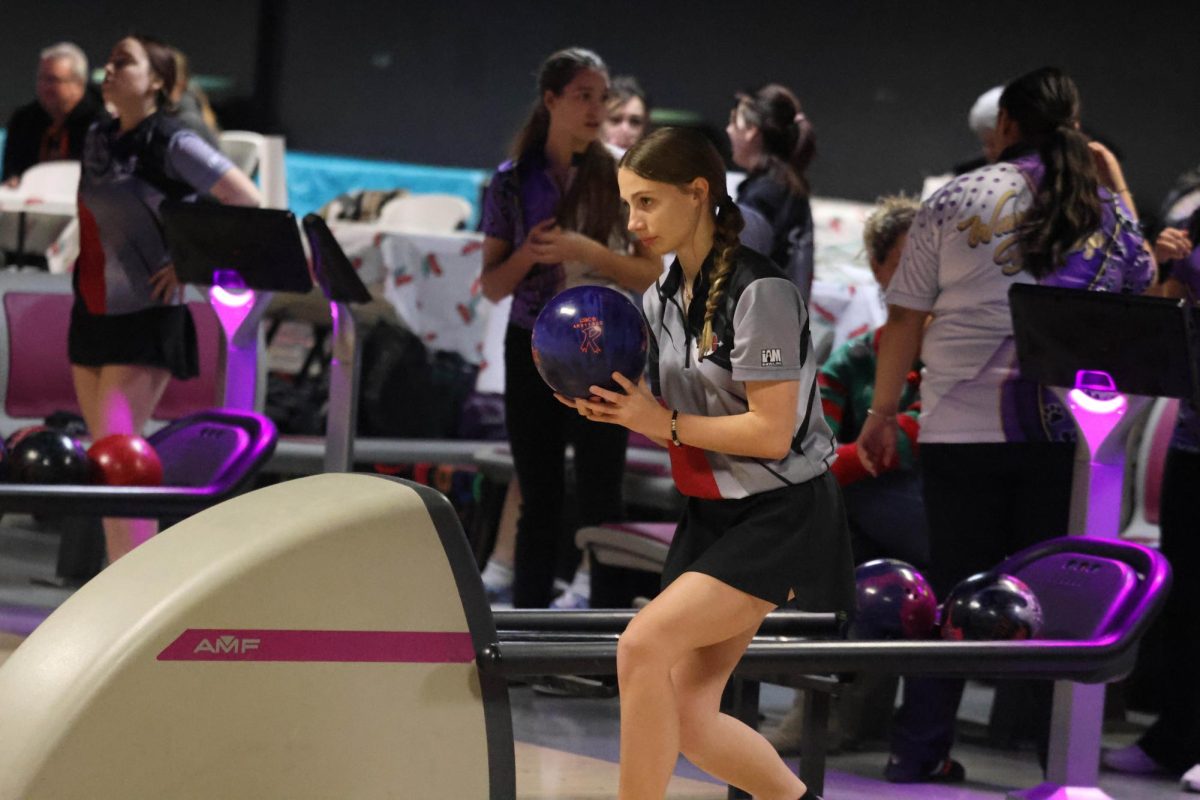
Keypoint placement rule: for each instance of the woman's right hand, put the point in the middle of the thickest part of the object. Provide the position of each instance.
(531, 249)
(165, 286)
(1172, 243)
(877, 443)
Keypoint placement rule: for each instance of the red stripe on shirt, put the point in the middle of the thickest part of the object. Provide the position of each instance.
(692, 473)
(90, 264)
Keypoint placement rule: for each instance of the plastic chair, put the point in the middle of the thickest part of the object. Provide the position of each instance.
(428, 213)
(35, 376)
(243, 149)
(51, 181)
(263, 158)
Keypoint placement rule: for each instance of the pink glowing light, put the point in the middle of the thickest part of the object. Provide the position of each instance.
(232, 299)
(1113, 405)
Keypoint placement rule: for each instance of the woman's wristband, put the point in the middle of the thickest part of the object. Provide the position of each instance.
(675, 428)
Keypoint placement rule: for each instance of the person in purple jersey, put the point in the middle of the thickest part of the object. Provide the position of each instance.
(1172, 743)
(996, 451)
(129, 332)
(551, 219)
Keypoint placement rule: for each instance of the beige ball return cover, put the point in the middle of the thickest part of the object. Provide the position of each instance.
(307, 640)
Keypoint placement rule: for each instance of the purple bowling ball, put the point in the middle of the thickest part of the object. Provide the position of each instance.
(584, 335)
(991, 607)
(893, 601)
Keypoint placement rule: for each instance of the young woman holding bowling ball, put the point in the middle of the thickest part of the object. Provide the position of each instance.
(129, 331)
(732, 363)
(551, 219)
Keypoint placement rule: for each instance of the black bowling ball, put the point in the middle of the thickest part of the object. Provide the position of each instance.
(991, 606)
(48, 456)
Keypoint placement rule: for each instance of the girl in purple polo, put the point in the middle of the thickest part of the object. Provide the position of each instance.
(130, 332)
(551, 218)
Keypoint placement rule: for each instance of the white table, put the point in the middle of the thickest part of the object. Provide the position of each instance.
(15, 201)
(432, 280)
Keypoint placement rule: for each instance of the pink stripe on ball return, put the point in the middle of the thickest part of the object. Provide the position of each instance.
(394, 647)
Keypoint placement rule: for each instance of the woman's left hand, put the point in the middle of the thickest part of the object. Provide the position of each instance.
(165, 286)
(555, 246)
(635, 407)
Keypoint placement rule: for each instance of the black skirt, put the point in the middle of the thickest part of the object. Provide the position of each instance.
(162, 336)
(791, 539)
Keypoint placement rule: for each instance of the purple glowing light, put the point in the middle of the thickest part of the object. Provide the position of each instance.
(1095, 380)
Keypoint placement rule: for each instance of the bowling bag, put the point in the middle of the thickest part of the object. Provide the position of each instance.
(363, 205)
(407, 392)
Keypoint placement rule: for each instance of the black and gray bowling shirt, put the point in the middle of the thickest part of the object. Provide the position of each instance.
(762, 334)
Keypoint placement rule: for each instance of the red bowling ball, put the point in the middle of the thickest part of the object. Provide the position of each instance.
(123, 459)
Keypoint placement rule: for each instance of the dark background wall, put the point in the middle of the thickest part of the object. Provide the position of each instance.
(887, 84)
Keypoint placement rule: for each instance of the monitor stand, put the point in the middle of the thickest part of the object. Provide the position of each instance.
(244, 254)
(1115, 379)
(341, 285)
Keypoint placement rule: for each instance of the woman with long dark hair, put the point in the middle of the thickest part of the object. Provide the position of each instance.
(130, 332)
(732, 363)
(551, 219)
(773, 140)
(996, 450)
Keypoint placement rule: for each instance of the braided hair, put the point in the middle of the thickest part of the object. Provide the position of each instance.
(678, 156)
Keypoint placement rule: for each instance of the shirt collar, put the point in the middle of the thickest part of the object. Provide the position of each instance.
(672, 284)
(1016, 151)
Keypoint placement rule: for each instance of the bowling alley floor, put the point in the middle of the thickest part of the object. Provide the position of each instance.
(567, 746)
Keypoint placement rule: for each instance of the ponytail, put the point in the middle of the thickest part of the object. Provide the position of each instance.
(1066, 207)
(804, 151)
(789, 142)
(728, 224)
(532, 136)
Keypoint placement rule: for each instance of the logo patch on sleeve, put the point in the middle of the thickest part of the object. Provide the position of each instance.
(772, 357)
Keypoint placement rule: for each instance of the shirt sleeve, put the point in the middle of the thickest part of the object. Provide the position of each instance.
(496, 215)
(915, 284)
(195, 161)
(770, 340)
(1140, 269)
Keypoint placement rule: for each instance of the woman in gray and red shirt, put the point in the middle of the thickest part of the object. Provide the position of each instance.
(129, 331)
(551, 218)
(732, 361)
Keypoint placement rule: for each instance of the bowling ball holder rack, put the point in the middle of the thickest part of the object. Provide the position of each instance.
(1108, 355)
(207, 457)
